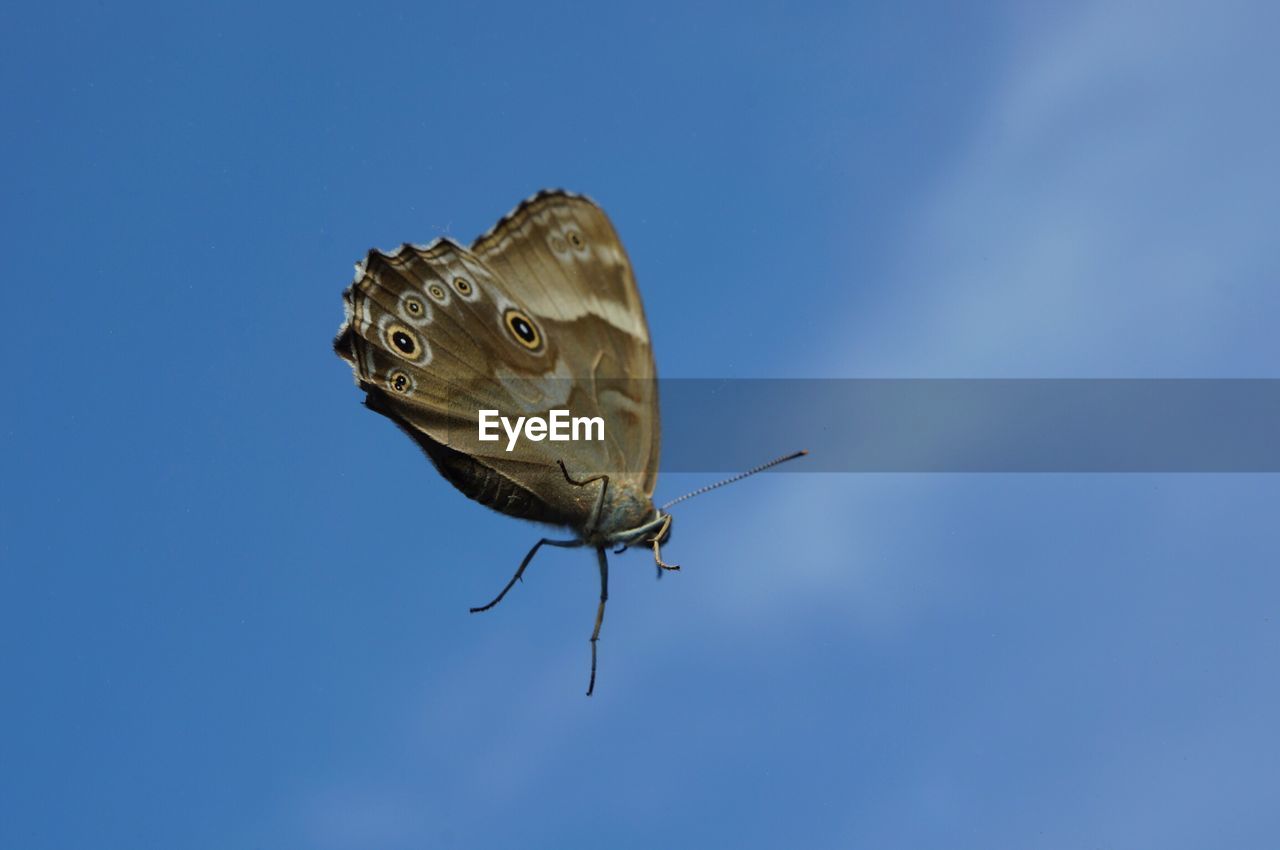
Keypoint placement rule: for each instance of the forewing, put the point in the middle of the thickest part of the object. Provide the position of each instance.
(559, 254)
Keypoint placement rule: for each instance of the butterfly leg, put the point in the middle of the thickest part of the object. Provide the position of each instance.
(604, 597)
(657, 551)
(567, 544)
(595, 511)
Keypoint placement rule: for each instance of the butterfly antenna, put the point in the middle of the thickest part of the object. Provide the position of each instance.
(741, 475)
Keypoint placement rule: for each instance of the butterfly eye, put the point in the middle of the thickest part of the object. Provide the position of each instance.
(575, 239)
(399, 382)
(462, 285)
(437, 292)
(523, 329)
(403, 340)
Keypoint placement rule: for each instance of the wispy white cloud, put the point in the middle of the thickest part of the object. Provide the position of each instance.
(1108, 216)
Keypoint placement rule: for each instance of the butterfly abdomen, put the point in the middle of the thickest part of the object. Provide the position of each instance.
(491, 488)
(476, 480)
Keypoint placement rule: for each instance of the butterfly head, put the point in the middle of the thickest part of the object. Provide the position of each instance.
(634, 523)
(625, 515)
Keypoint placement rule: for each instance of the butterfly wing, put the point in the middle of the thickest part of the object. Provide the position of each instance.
(561, 255)
(540, 313)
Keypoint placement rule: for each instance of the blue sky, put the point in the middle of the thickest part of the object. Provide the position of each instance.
(233, 605)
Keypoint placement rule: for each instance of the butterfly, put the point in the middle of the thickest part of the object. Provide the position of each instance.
(540, 313)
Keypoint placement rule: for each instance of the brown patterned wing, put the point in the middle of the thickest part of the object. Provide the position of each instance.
(542, 313)
(559, 254)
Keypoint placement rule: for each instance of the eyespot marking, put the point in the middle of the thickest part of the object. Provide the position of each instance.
(523, 329)
(576, 240)
(437, 292)
(414, 308)
(463, 286)
(400, 382)
(403, 340)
